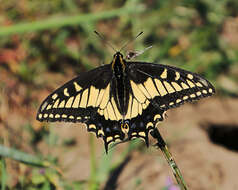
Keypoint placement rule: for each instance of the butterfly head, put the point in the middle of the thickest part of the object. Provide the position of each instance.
(118, 60)
(118, 55)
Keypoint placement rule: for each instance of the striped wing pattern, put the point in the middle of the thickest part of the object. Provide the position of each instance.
(153, 89)
(78, 100)
(166, 86)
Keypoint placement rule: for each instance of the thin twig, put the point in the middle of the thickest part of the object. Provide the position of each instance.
(164, 148)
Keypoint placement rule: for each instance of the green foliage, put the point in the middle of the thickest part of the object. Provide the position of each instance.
(3, 174)
(22, 157)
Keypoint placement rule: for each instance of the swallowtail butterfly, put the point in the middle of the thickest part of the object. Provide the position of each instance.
(124, 99)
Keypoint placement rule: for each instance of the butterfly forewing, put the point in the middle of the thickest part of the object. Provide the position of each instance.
(167, 86)
(77, 100)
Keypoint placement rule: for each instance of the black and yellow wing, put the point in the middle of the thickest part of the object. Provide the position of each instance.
(155, 88)
(88, 99)
(77, 100)
(167, 86)
(150, 90)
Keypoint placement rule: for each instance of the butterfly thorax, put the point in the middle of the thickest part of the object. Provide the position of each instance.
(119, 75)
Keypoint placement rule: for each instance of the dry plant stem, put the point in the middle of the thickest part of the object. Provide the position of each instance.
(164, 148)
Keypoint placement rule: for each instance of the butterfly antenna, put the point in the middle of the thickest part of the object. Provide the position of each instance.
(104, 40)
(129, 41)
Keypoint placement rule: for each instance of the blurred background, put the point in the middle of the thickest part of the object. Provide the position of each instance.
(43, 44)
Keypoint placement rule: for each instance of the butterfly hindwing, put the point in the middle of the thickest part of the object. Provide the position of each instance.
(107, 129)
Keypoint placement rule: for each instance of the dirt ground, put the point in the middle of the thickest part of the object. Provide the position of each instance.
(204, 164)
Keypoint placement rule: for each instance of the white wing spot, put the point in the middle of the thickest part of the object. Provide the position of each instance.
(77, 87)
(150, 124)
(44, 106)
(204, 82)
(158, 116)
(142, 134)
(109, 139)
(199, 84)
(199, 93)
(185, 97)
(171, 103)
(49, 106)
(210, 90)
(164, 74)
(54, 96)
(100, 132)
(177, 75)
(66, 92)
(71, 117)
(190, 76)
(92, 126)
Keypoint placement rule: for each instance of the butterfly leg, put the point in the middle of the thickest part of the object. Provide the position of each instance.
(164, 148)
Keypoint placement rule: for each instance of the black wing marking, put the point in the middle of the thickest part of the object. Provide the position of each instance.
(109, 130)
(139, 126)
(78, 99)
(166, 86)
(152, 89)
(88, 99)
(155, 88)
(141, 115)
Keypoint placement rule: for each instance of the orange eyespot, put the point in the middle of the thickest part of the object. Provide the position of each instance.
(125, 127)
